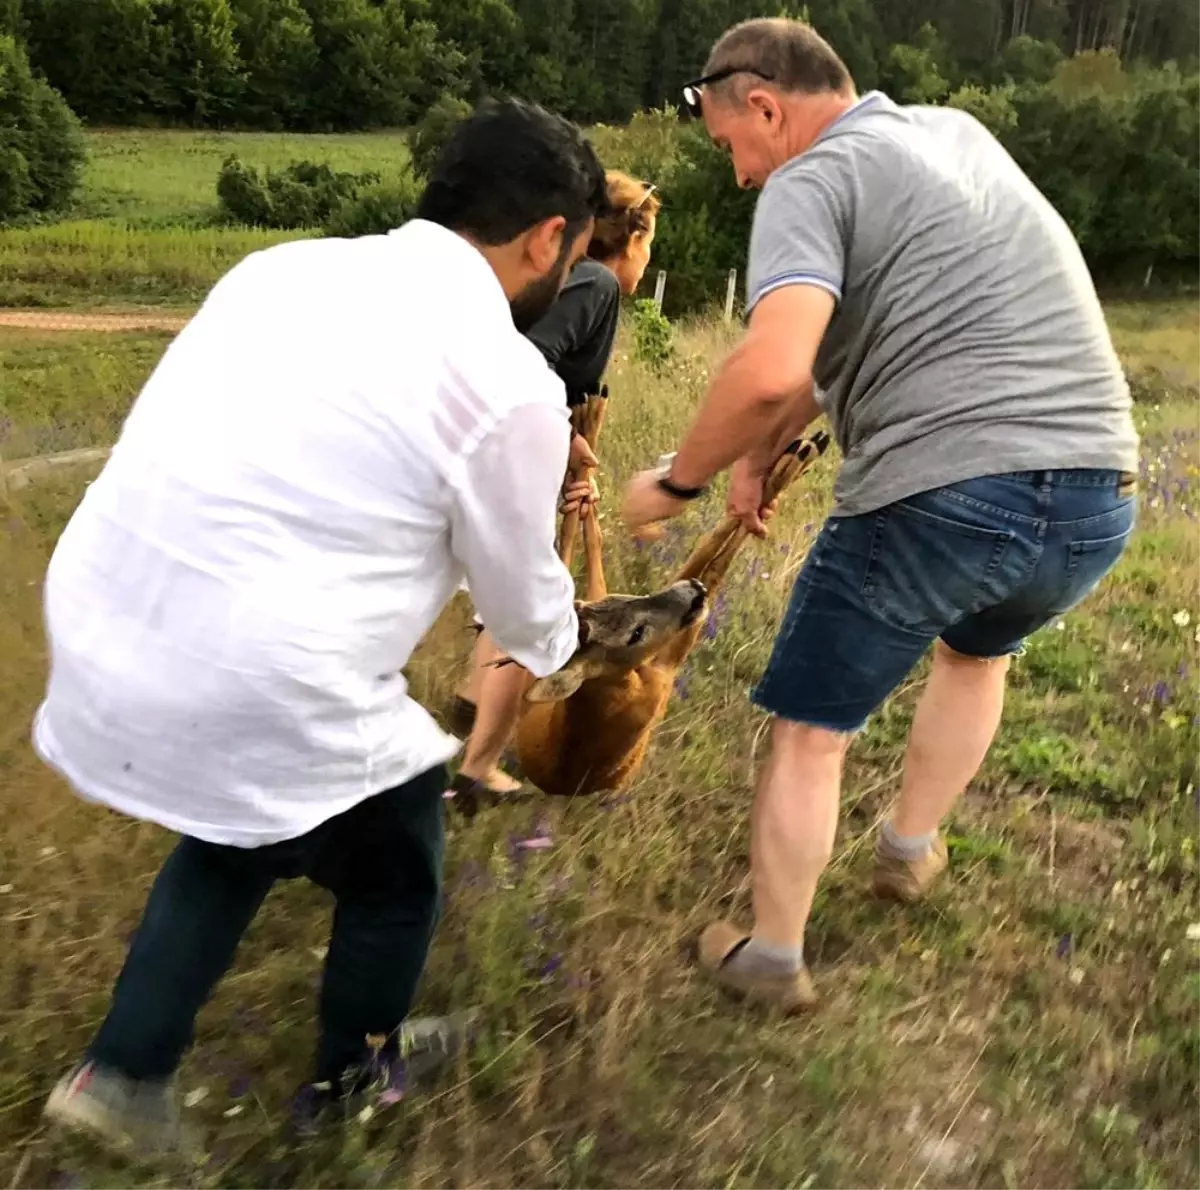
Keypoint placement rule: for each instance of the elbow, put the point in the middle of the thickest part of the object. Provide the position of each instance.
(773, 381)
(776, 394)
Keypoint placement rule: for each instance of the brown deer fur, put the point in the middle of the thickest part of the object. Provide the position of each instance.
(586, 728)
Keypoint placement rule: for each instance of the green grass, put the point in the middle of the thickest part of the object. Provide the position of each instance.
(144, 230)
(1034, 1024)
(166, 178)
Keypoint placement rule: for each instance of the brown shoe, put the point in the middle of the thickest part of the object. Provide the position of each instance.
(720, 941)
(906, 880)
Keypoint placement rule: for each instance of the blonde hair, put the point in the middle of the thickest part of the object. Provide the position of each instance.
(633, 207)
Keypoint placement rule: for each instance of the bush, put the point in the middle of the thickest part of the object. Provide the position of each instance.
(377, 210)
(303, 194)
(431, 134)
(653, 335)
(41, 143)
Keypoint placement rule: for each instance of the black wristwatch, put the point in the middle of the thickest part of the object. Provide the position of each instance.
(673, 489)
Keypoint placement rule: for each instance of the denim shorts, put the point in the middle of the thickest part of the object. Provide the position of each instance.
(979, 564)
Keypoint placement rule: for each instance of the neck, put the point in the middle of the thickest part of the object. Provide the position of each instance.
(812, 114)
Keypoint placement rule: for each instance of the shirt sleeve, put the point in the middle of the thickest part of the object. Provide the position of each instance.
(502, 532)
(799, 235)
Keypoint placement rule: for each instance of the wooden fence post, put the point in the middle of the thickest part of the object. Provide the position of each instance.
(660, 287)
(730, 294)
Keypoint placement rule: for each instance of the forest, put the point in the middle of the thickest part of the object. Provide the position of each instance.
(308, 65)
(1097, 100)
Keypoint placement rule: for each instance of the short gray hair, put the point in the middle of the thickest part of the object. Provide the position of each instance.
(792, 54)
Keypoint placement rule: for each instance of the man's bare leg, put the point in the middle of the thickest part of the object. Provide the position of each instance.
(792, 829)
(954, 726)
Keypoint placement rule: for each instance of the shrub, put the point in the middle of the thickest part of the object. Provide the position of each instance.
(303, 194)
(377, 209)
(432, 133)
(41, 143)
(653, 335)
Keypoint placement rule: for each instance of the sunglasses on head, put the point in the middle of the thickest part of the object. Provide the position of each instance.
(692, 90)
(651, 187)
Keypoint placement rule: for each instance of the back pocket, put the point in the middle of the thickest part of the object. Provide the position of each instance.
(926, 571)
(1087, 563)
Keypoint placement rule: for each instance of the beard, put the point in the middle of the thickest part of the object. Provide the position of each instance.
(530, 305)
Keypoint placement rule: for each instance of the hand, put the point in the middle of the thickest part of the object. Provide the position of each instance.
(646, 504)
(580, 494)
(581, 455)
(746, 498)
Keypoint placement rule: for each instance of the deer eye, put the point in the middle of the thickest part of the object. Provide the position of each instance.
(635, 637)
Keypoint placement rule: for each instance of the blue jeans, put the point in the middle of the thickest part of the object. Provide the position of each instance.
(979, 564)
(381, 859)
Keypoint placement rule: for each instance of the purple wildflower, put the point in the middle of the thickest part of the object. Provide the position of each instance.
(1064, 947)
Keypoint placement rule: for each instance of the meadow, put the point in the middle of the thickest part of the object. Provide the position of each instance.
(1033, 1024)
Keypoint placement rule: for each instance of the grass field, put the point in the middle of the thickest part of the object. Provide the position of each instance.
(143, 231)
(1033, 1024)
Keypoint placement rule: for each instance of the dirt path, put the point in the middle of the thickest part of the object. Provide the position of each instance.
(69, 320)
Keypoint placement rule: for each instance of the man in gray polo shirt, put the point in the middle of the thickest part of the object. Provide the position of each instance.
(910, 282)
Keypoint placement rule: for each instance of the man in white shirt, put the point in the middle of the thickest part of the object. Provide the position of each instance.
(344, 430)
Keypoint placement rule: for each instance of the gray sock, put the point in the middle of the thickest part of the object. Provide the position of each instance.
(761, 958)
(906, 847)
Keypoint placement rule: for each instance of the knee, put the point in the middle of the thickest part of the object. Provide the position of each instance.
(803, 742)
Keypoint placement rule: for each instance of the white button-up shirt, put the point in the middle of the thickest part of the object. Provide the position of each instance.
(343, 431)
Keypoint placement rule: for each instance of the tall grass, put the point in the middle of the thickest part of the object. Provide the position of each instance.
(90, 263)
(1033, 1024)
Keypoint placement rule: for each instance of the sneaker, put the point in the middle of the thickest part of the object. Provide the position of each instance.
(426, 1045)
(907, 880)
(135, 1117)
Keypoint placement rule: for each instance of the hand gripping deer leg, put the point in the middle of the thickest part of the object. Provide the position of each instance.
(586, 419)
(714, 553)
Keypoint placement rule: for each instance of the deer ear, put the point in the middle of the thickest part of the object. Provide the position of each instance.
(556, 687)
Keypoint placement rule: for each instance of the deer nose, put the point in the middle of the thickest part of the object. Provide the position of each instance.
(699, 588)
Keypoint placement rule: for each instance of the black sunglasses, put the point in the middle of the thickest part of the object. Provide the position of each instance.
(691, 91)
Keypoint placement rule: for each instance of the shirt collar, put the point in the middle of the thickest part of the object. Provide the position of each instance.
(453, 255)
(870, 99)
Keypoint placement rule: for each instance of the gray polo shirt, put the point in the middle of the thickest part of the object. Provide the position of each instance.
(968, 339)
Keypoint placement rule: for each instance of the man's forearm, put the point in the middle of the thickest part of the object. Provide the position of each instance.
(797, 416)
(741, 415)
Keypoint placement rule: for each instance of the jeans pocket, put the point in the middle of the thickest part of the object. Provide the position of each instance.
(1087, 563)
(928, 569)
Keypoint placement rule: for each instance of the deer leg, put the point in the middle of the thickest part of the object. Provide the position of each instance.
(586, 420)
(596, 585)
(715, 551)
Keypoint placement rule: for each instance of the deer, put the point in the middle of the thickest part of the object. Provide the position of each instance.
(585, 729)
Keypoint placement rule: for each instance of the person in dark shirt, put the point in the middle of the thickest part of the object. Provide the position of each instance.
(576, 337)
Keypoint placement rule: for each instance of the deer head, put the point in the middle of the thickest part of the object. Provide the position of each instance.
(618, 633)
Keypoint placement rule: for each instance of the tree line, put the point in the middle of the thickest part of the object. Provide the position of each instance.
(1097, 100)
(308, 65)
